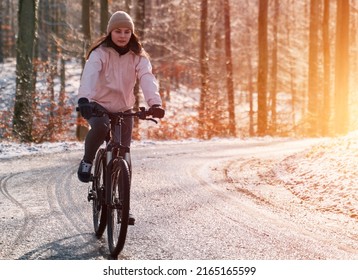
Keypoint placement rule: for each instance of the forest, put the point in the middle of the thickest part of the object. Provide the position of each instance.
(259, 67)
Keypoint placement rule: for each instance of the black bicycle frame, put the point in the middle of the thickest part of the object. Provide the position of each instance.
(114, 149)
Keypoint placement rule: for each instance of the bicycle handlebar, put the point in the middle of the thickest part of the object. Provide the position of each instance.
(142, 114)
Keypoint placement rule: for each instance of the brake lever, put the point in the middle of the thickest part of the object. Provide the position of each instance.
(153, 120)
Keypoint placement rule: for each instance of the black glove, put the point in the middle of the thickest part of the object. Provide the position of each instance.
(85, 108)
(156, 111)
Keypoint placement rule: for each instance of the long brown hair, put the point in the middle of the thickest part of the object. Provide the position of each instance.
(134, 44)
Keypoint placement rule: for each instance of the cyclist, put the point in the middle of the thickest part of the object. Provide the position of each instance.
(114, 62)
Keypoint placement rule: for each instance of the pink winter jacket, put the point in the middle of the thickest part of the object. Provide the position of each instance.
(109, 78)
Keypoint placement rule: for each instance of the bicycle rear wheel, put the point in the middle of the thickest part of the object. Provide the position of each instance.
(118, 210)
(99, 208)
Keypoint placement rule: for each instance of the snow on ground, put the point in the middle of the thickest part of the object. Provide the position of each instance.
(9, 150)
(325, 176)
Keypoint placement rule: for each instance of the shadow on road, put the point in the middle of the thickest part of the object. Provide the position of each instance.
(70, 248)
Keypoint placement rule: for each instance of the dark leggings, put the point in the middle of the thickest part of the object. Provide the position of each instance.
(98, 133)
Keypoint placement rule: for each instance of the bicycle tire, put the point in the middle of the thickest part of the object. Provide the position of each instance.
(118, 210)
(99, 208)
(127, 157)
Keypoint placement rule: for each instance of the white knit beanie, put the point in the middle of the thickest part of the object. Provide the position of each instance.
(120, 19)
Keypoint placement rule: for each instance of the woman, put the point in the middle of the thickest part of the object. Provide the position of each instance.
(112, 67)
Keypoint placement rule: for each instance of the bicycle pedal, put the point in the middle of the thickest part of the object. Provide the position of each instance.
(131, 221)
(90, 196)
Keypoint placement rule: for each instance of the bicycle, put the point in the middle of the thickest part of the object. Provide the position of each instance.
(111, 182)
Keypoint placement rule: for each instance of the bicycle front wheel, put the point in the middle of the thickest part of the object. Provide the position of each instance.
(99, 208)
(118, 210)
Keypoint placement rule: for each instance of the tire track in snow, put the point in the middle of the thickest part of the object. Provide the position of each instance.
(26, 225)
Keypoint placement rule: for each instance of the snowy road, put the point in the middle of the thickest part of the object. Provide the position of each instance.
(196, 200)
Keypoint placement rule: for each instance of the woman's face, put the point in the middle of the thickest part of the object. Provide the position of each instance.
(121, 36)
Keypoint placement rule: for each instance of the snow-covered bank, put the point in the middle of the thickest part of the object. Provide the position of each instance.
(10, 150)
(326, 176)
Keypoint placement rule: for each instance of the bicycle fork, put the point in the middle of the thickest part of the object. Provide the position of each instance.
(109, 174)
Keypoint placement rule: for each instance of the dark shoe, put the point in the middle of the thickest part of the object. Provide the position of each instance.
(84, 171)
(131, 220)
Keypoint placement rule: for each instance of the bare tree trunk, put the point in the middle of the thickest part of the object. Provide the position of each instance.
(25, 86)
(250, 71)
(140, 27)
(8, 19)
(342, 68)
(251, 95)
(54, 20)
(216, 125)
(104, 16)
(82, 130)
(273, 91)
(2, 23)
(51, 73)
(204, 68)
(229, 71)
(44, 31)
(62, 96)
(86, 27)
(292, 72)
(313, 86)
(326, 68)
(262, 69)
